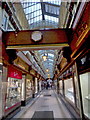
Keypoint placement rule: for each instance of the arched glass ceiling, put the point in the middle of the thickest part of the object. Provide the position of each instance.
(42, 13)
(50, 61)
(41, 65)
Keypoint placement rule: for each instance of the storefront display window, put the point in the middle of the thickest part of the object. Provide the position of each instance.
(29, 82)
(55, 84)
(13, 94)
(85, 89)
(36, 85)
(28, 88)
(69, 93)
(60, 87)
(40, 86)
(5, 20)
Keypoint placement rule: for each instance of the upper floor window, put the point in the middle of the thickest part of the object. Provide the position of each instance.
(6, 24)
(5, 19)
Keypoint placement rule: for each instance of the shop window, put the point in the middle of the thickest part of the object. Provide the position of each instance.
(28, 88)
(5, 20)
(85, 89)
(13, 92)
(10, 27)
(40, 86)
(69, 92)
(36, 85)
(61, 87)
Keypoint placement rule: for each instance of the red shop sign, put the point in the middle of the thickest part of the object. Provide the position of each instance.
(14, 73)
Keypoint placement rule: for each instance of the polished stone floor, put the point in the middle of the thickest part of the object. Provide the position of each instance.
(48, 102)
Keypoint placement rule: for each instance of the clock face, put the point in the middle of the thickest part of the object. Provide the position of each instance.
(36, 36)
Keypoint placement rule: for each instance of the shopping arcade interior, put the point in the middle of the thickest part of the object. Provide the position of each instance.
(44, 52)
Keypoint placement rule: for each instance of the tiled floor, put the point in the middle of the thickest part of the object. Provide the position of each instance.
(48, 101)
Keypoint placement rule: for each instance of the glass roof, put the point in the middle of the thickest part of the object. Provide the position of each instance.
(50, 61)
(34, 63)
(42, 13)
(45, 68)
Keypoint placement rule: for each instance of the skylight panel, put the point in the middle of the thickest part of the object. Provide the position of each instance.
(50, 63)
(25, 52)
(51, 50)
(35, 19)
(30, 1)
(51, 18)
(56, 2)
(37, 12)
(35, 7)
(50, 60)
(51, 55)
(30, 21)
(52, 9)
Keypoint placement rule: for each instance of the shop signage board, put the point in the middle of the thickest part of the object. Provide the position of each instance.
(14, 73)
(29, 76)
(21, 64)
(82, 30)
(63, 63)
(33, 72)
(37, 75)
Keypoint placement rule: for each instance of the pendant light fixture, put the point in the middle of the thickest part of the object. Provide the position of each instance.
(48, 75)
(44, 57)
(47, 70)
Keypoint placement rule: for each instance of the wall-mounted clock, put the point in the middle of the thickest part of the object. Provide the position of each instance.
(36, 36)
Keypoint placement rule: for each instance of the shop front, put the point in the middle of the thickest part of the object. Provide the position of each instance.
(40, 86)
(23, 90)
(36, 85)
(13, 92)
(34, 82)
(29, 85)
(1, 90)
(69, 88)
(61, 86)
(84, 74)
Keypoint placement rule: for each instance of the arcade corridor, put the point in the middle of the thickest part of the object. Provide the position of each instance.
(47, 101)
(44, 59)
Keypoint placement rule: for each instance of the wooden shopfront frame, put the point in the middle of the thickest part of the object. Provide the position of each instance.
(65, 75)
(83, 66)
